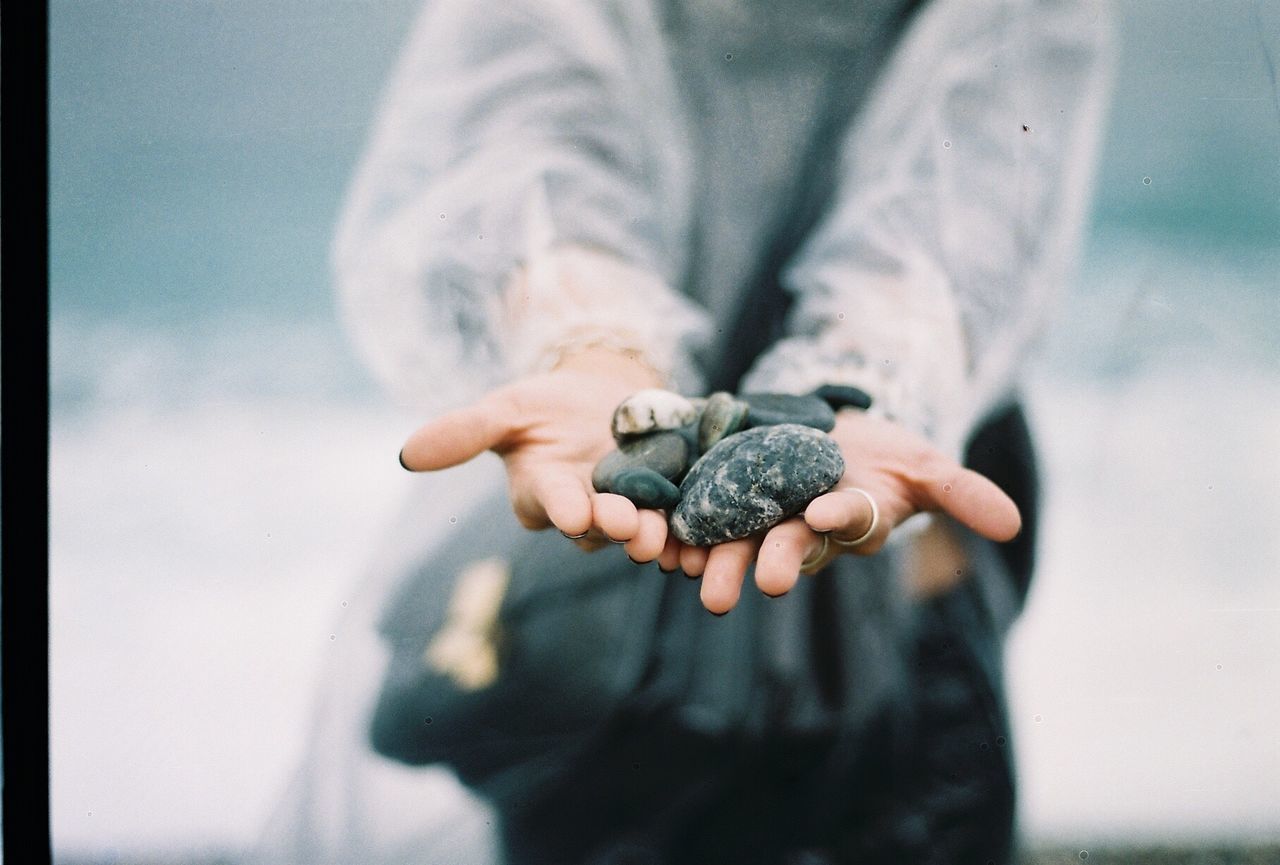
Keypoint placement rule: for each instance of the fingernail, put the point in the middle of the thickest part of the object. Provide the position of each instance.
(400, 457)
(665, 571)
(718, 615)
(573, 537)
(633, 561)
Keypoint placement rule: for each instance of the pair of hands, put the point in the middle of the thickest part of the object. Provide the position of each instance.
(552, 428)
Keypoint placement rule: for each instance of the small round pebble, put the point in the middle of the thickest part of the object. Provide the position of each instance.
(840, 396)
(646, 489)
(649, 410)
(722, 416)
(769, 409)
(690, 433)
(666, 453)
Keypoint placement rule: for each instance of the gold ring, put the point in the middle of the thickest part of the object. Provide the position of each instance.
(875, 521)
(817, 560)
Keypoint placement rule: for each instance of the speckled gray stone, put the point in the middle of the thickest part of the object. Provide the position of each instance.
(646, 488)
(666, 453)
(651, 409)
(768, 409)
(754, 480)
(722, 416)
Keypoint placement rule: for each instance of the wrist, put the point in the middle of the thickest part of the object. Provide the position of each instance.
(571, 300)
(622, 364)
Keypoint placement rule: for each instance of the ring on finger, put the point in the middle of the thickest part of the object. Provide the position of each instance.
(871, 529)
(816, 560)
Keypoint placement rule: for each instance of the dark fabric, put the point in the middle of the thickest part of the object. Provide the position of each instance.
(929, 781)
(1002, 450)
(574, 638)
(584, 639)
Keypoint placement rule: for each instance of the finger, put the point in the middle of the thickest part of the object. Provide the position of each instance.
(693, 560)
(669, 559)
(650, 538)
(615, 515)
(783, 550)
(977, 502)
(848, 516)
(846, 513)
(722, 580)
(456, 437)
(564, 500)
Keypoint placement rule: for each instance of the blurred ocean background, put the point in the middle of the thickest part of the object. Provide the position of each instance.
(223, 469)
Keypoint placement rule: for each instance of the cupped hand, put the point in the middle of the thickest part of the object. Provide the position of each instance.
(550, 430)
(902, 472)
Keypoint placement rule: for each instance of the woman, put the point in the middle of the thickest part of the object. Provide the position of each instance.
(567, 202)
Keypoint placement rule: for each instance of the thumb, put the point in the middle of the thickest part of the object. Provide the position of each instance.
(456, 437)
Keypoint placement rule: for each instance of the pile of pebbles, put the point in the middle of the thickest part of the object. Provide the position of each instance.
(725, 467)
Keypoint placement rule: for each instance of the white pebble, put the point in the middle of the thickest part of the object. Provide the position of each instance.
(652, 409)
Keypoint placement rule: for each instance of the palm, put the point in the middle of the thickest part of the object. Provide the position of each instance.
(550, 430)
(902, 472)
(906, 475)
(560, 432)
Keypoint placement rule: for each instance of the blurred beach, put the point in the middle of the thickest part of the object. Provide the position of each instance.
(223, 473)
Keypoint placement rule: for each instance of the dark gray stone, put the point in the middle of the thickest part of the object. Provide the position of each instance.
(840, 396)
(646, 488)
(666, 453)
(690, 434)
(754, 480)
(722, 416)
(769, 409)
(690, 430)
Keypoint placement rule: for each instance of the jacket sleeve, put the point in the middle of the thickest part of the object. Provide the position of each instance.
(525, 190)
(963, 189)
